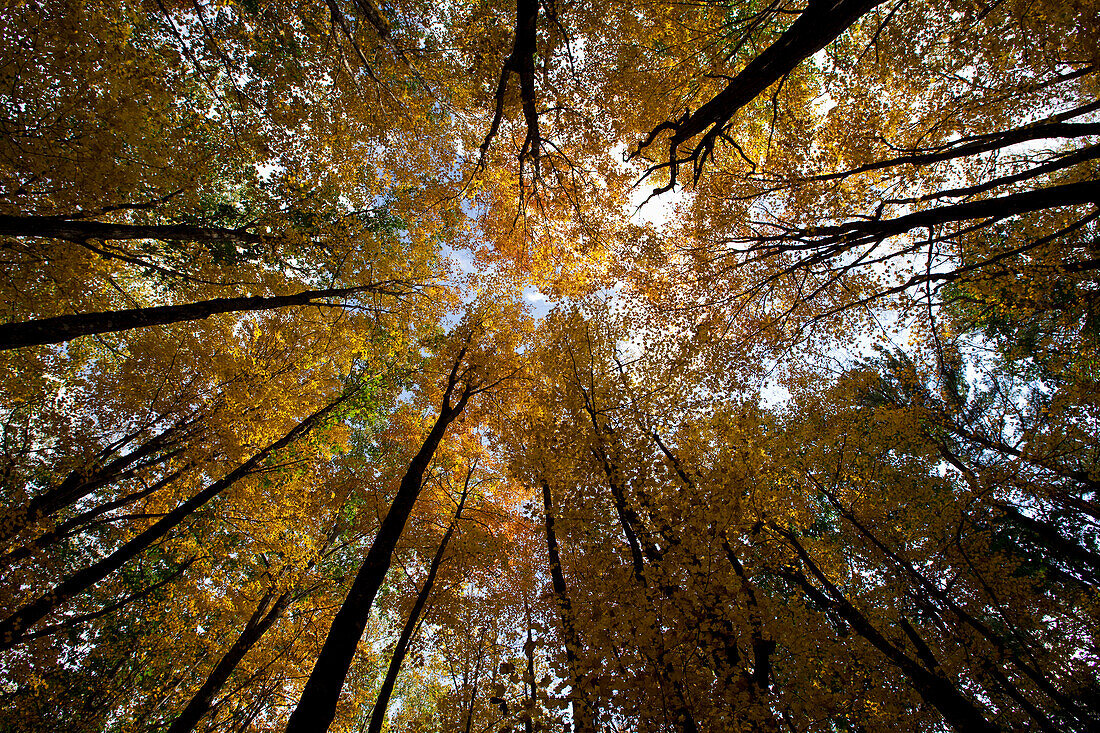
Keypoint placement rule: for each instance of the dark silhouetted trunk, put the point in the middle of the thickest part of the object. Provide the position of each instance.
(78, 230)
(941, 603)
(378, 715)
(317, 706)
(1002, 207)
(529, 677)
(727, 657)
(75, 621)
(583, 712)
(522, 63)
(639, 550)
(762, 647)
(628, 518)
(262, 619)
(1058, 545)
(820, 24)
(64, 328)
(1052, 129)
(84, 518)
(927, 678)
(83, 481)
(13, 628)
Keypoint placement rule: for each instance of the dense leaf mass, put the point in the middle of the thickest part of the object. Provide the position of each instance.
(688, 366)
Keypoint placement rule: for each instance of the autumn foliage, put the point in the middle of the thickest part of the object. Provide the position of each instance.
(473, 367)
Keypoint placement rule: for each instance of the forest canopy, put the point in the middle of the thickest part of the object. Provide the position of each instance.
(710, 365)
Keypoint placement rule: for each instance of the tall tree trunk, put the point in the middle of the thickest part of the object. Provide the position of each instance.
(999, 208)
(378, 715)
(75, 621)
(628, 518)
(59, 329)
(1057, 544)
(83, 481)
(762, 647)
(820, 24)
(634, 531)
(82, 230)
(727, 658)
(929, 681)
(1052, 128)
(317, 706)
(931, 594)
(529, 682)
(13, 628)
(584, 713)
(262, 619)
(474, 684)
(521, 61)
(74, 523)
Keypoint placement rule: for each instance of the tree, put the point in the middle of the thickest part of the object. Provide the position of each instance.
(16, 625)
(467, 376)
(378, 715)
(64, 328)
(805, 441)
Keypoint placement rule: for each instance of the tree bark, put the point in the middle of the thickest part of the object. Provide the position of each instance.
(82, 482)
(728, 658)
(1001, 207)
(78, 230)
(1054, 541)
(262, 620)
(13, 628)
(628, 518)
(982, 144)
(520, 62)
(378, 715)
(762, 647)
(584, 713)
(820, 24)
(375, 18)
(74, 621)
(60, 531)
(935, 689)
(928, 591)
(59, 329)
(317, 706)
(530, 685)
(639, 550)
